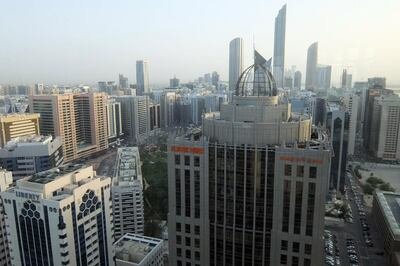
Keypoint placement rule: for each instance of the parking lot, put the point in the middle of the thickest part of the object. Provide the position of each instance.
(357, 240)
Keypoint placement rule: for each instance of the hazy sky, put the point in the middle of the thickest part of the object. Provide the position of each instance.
(79, 41)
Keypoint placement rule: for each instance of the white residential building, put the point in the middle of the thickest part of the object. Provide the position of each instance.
(127, 193)
(137, 250)
(351, 102)
(62, 216)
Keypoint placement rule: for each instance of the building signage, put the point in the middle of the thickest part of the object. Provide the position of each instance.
(27, 195)
(183, 149)
(301, 160)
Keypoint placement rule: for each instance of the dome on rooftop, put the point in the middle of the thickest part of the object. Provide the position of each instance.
(257, 80)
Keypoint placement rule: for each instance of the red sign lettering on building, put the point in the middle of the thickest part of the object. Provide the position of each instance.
(183, 149)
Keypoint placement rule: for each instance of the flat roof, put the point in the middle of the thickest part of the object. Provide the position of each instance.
(134, 248)
(52, 174)
(128, 159)
(390, 206)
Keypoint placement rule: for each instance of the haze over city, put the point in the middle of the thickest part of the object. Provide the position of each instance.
(59, 42)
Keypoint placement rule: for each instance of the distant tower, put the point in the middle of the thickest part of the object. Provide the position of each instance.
(123, 82)
(312, 59)
(142, 77)
(279, 47)
(235, 62)
(297, 80)
(174, 82)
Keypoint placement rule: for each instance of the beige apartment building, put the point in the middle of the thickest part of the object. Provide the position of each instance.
(18, 125)
(80, 119)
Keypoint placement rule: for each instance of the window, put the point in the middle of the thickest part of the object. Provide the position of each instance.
(188, 254)
(179, 263)
(187, 160)
(284, 245)
(283, 259)
(300, 171)
(177, 159)
(288, 170)
(187, 228)
(296, 247)
(307, 249)
(197, 255)
(196, 161)
(197, 243)
(178, 227)
(178, 240)
(197, 230)
(313, 172)
(295, 261)
(187, 241)
(286, 206)
(179, 252)
(307, 262)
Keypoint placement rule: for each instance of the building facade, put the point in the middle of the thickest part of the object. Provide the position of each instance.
(235, 62)
(279, 47)
(142, 77)
(136, 118)
(127, 193)
(385, 133)
(114, 122)
(26, 156)
(311, 68)
(18, 125)
(250, 189)
(60, 217)
(79, 119)
(5, 183)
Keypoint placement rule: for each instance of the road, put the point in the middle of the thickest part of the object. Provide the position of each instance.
(367, 256)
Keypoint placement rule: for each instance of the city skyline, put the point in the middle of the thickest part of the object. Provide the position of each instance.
(96, 49)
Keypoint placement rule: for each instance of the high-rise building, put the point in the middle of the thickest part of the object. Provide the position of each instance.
(297, 80)
(250, 189)
(114, 121)
(142, 77)
(346, 80)
(279, 47)
(5, 182)
(25, 156)
(215, 78)
(136, 119)
(60, 217)
(137, 250)
(377, 83)
(174, 83)
(39, 89)
(235, 62)
(351, 102)
(127, 193)
(385, 132)
(311, 71)
(337, 125)
(374, 90)
(168, 105)
(18, 125)
(324, 76)
(319, 111)
(80, 120)
(207, 78)
(123, 82)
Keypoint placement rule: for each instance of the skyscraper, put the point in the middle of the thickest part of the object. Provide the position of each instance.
(60, 217)
(346, 80)
(279, 47)
(235, 61)
(114, 121)
(5, 182)
(324, 76)
(311, 71)
(174, 83)
(142, 77)
(127, 193)
(123, 82)
(136, 119)
(215, 79)
(250, 189)
(337, 125)
(80, 119)
(297, 80)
